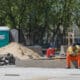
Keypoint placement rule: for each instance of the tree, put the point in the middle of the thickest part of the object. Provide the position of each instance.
(40, 20)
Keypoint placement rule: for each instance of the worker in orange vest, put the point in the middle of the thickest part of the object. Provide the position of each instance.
(73, 54)
(50, 52)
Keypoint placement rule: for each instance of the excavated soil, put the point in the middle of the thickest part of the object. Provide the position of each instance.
(19, 51)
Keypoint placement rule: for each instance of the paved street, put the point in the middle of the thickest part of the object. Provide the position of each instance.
(54, 63)
(17, 73)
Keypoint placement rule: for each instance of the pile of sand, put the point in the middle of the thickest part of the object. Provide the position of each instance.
(19, 51)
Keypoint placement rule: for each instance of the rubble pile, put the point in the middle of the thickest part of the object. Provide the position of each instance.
(19, 51)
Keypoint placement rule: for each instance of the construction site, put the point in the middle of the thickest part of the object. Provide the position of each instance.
(39, 39)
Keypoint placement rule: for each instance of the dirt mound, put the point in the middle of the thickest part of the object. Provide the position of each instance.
(19, 51)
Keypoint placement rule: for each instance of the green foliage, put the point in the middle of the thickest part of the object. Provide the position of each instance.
(39, 16)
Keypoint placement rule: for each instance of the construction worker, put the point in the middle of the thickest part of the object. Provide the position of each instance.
(73, 54)
(50, 52)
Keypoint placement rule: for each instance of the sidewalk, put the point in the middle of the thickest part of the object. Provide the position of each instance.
(17, 73)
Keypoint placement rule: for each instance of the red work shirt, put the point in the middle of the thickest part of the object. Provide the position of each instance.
(50, 52)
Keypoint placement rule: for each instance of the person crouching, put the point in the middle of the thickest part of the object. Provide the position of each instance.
(50, 52)
(73, 54)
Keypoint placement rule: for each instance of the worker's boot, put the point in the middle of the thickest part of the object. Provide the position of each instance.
(76, 67)
(68, 67)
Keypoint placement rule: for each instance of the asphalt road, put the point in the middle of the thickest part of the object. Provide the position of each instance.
(56, 63)
(39, 70)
